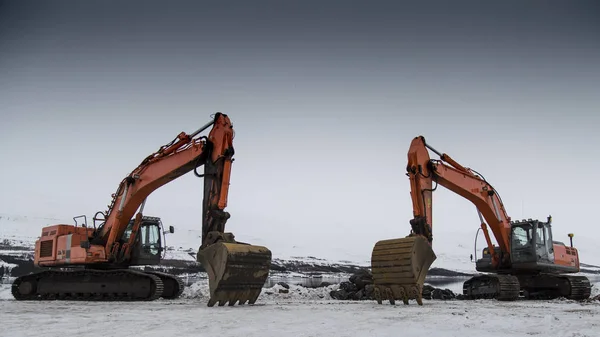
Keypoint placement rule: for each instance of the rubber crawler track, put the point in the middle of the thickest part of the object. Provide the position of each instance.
(505, 287)
(173, 286)
(88, 285)
(580, 287)
(509, 288)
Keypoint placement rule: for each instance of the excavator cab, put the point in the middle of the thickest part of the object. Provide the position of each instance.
(531, 246)
(531, 243)
(149, 244)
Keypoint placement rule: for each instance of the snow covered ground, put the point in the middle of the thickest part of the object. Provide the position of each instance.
(302, 312)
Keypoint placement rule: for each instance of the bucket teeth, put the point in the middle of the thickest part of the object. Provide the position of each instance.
(236, 272)
(399, 267)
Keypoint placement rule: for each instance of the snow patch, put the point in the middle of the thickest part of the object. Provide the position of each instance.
(5, 293)
(7, 266)
(296, 293)
(200, 290)
(6, 272)
(173, 254)
(197, 290)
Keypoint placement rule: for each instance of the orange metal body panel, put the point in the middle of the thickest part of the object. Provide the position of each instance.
(566, 256)
(60, 245)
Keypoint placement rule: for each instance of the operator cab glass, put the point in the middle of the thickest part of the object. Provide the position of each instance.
(522, 236)
(522, 242)
(150, 238)
(531, 241)
(147, 248)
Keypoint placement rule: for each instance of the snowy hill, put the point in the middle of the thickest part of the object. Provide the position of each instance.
(22, 231)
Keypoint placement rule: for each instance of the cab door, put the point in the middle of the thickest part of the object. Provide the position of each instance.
(148, 248)
(543, 243)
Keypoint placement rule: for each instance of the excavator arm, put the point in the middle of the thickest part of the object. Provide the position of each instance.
(424, 172)
(236, 270)
(170, 162)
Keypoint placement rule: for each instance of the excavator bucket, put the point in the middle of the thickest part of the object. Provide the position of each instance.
(399, 267)
(236, 271)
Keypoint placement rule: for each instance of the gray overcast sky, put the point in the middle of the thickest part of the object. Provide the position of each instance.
(325, 99)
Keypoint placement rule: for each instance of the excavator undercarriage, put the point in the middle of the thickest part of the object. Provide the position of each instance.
(97, 285)
(505, 287)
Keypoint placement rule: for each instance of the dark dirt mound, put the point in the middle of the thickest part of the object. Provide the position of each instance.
(360, 287)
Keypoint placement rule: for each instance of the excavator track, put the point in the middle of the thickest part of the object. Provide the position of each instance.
(88, 285)
(399, 267)
(486, 286)
(581, 288)
(173, 286)
(550, 286)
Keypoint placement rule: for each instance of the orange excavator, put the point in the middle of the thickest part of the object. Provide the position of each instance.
(526, 262)
(83, 263)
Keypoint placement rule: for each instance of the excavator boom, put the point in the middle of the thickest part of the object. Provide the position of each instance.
(424, 172)
(170, 162)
